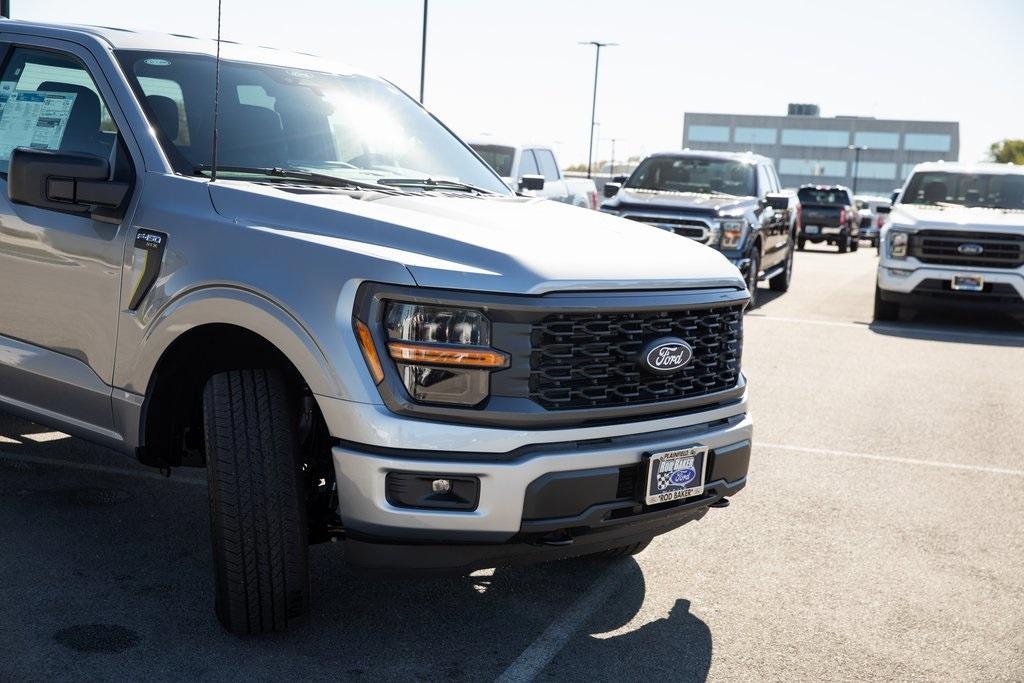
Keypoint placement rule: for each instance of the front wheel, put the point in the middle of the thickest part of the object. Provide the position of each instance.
(855, 244)
(843, 241)
(780, 283)
(752, 275)
(257, 504)
(800, 243)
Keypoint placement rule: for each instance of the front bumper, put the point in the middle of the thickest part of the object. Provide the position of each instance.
(912, 283)
(566, 487)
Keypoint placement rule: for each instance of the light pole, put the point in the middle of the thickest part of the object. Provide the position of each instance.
(593, 104)
(423, 51)
(856, 163)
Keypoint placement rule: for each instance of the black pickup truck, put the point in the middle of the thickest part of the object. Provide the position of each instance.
(729, 201)
(828, 216)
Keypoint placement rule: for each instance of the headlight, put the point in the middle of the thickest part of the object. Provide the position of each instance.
(442, 354)
(732, 233)
(898, 242)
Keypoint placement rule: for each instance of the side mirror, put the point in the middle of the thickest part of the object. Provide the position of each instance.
(65, 181)
(778, 201)
(531, 182)
(883, 209)
(620, 179)
(612, 188)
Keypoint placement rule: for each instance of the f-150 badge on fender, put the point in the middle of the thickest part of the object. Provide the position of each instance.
(149, 247)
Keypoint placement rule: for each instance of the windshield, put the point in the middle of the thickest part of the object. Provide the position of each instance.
(966, 189)
(351, 127)
(694, 174)
(825, 196)
(497, 157)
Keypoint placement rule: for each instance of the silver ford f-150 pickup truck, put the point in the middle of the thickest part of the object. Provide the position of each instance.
(312, 288)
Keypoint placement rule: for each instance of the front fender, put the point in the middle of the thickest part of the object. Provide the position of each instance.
(231, 306)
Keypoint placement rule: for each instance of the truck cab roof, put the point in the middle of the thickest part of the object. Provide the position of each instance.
(111, 38)
(748, 157)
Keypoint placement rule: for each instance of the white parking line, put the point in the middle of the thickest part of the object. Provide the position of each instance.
(892, 458)
(540, 652)
(104, 469)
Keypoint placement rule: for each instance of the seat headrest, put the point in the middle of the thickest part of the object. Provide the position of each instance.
(165, 111)
(935, 191)
(250, 136)
(84, 120)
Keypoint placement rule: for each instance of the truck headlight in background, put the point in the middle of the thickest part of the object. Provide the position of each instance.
(442, 354)
(732, 233)
(898, 242)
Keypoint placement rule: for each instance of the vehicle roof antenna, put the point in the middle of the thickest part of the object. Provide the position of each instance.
(216, 99)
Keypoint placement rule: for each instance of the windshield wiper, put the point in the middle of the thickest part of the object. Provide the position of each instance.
(292, 173)
(433, 184)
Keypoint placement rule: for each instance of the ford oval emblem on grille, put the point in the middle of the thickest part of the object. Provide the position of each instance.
(666, 355)
(970, 249)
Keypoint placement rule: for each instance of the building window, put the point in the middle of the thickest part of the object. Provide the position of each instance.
(708, 134)
(926, 142)
(804, 137)
(826, 168)
(757, 136)
(882, 170)
(875, 140)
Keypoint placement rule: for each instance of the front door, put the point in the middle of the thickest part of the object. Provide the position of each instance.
(60, 272)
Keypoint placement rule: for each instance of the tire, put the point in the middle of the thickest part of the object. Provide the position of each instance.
(257, 504)
(623, 551)
(843, 241)
(800, 243)
(780, 283)
(855, 244)
(752, 274)
(885, 310)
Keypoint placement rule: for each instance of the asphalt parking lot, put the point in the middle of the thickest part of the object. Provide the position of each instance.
(881, 536)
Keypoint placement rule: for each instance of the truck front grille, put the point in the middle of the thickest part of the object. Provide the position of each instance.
(951, 248)
(582, 360)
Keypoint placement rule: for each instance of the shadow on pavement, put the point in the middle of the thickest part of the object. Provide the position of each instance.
(110, 577)
(952, 326)
(676, 647)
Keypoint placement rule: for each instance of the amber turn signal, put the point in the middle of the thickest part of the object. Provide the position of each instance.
(369, 351)
(417, 354)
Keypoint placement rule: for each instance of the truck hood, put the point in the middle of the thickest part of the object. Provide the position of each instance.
(952, 218)
(681, 201)
(513, 245)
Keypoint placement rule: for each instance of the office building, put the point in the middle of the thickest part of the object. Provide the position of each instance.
(808, 148)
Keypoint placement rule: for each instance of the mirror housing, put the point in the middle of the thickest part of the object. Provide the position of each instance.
(620, 179)
(776, 200)
(65, 181)
(612, 188)
(883, 209)
(531, 182)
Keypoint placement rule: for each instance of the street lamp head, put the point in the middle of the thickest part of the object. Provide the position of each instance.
(597, 43)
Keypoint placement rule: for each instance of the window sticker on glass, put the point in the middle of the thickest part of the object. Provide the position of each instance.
(33, 118)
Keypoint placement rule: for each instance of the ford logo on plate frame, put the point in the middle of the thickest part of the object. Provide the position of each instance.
(666, 355)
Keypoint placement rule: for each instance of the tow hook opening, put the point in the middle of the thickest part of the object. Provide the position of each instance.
(558, 538)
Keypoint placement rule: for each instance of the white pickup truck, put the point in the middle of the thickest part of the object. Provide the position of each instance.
(534, 171)
(954, 238)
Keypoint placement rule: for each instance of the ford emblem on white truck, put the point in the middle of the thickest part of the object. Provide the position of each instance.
(970, 249)
(667, 355)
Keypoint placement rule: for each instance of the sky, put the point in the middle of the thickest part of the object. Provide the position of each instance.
(515, 70)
